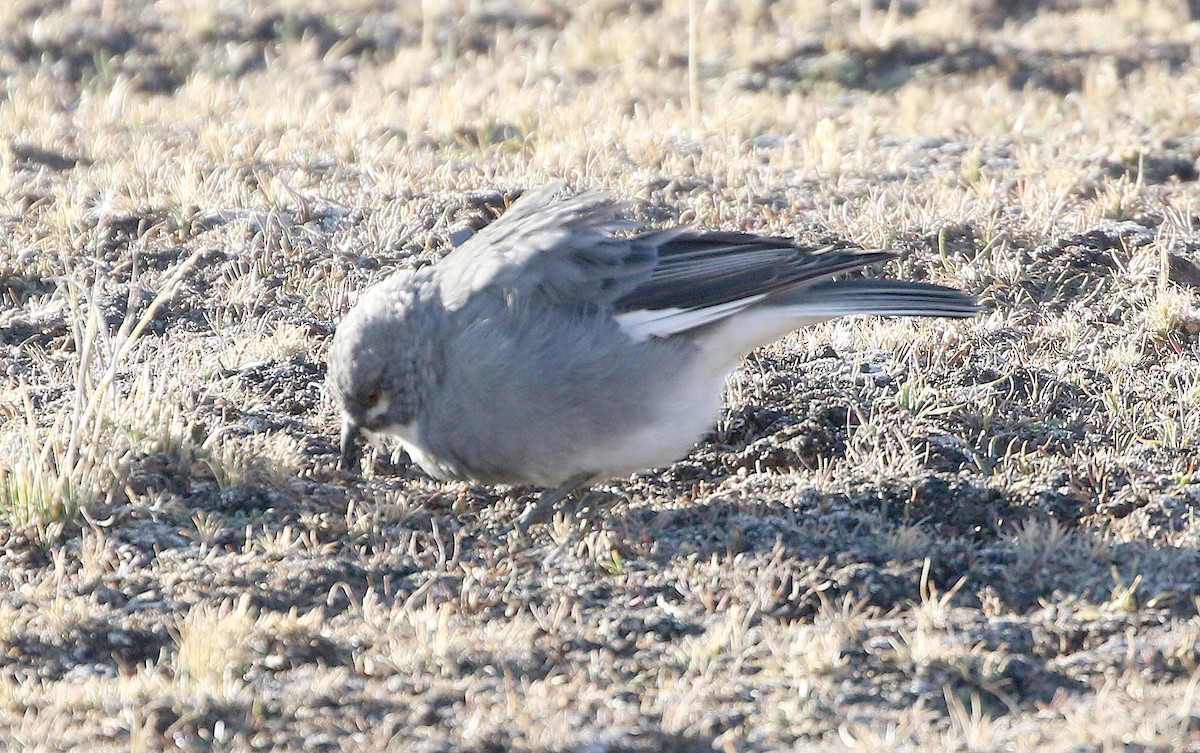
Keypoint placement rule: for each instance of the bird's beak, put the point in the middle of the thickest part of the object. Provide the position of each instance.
(350, 434)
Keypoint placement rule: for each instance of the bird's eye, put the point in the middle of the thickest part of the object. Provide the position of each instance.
(373, 397)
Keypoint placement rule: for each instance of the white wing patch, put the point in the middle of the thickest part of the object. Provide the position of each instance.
(646, 323)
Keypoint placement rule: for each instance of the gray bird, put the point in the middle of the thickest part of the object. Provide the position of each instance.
(547, 350)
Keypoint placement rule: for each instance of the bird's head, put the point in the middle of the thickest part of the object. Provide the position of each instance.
(381, 362)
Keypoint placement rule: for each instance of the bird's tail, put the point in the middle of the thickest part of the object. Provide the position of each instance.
(879, 297)
(803, 306)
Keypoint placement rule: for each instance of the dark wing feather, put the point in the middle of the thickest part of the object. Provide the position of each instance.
(697, 270)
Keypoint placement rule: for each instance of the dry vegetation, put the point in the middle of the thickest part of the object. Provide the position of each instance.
(901, 535)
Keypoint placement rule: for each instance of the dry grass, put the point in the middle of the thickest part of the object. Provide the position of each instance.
(902, 535)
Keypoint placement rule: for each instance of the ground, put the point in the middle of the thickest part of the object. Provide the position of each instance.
(901, 534)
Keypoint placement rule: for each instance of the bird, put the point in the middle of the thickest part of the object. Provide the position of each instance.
(563, 344)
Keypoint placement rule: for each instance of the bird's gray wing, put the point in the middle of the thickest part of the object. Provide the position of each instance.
(701, 278)
(656, 284)
(564, 251)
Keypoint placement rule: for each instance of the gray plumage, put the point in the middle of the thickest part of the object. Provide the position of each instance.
(548, 349)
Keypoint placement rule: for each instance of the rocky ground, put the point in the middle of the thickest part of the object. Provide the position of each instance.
(901, 535)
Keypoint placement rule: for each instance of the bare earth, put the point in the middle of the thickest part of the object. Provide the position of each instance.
(901, 535)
